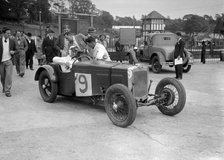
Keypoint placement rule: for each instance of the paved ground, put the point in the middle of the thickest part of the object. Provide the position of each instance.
(31, 129)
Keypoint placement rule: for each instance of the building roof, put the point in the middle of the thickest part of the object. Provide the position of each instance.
(154, 15)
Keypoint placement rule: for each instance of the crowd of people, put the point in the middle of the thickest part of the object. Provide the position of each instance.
(19, 49)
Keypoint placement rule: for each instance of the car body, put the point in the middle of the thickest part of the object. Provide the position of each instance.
(158, 50)
(121, 87)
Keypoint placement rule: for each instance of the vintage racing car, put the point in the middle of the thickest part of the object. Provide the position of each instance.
(121, 87)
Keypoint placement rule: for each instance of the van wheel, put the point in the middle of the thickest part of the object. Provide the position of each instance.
(156, 66)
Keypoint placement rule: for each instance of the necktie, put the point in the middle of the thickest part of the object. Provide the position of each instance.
(5, 40)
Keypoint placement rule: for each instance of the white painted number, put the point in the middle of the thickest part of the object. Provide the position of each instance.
(83, 84)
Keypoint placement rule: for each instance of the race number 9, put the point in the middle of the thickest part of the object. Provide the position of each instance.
(83, 84)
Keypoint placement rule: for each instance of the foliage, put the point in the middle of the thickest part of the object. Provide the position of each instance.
(126, 21)
(105, 20)
(174, 25)
(18, 10)
(82, 6)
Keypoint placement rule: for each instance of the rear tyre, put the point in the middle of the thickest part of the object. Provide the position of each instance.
(48, 89)
(120, 105)
(186, 68)
(172, 96)
(156, 66)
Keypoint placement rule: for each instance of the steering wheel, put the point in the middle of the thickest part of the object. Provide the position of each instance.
(84, 57)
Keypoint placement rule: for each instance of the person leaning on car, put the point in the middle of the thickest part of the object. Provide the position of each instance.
(99, 51)
(178, 53)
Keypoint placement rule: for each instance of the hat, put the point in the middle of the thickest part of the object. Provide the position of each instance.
(74, 47)
(91, 30)
(50, 31)
(29, 34)
(178, 34)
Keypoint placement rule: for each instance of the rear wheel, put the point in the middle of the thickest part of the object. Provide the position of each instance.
(156, 66)
(48, 89)
(172, 96)
(120, 105)
(186, 67)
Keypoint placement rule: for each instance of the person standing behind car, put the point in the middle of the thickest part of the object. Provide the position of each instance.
(178, 54)
(203, 50)
(99, 51)
(30, 51)
(20, 57)
(49, 47)
(7, 50)
(62, 42)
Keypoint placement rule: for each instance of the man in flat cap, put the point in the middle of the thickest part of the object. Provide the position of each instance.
(49, 46)
(62, 42)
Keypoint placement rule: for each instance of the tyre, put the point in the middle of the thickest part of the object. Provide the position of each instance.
(156, 66)
(48, 89)
(120, 105)
(172, 96)
(186, 67)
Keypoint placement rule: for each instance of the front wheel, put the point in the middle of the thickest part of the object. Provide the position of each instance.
(48, 89)
(172, 96)
(120, 105)
(156, 66)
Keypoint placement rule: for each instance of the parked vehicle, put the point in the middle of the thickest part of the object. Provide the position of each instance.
(121, 87)
(158, 50)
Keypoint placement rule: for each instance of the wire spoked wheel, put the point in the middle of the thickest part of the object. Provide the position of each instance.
(172, 96)
(120, 105)
(47, 88)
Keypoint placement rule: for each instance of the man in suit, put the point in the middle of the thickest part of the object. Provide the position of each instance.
(20, 57)
(49, 48)
(7, 50)
(178, 54)
(62, 42)
(30, 51)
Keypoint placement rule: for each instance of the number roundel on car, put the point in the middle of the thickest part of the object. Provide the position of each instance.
(83, 84)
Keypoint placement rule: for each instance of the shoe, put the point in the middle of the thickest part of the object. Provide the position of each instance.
(178, 78)
(3, 91)
(31, 69)
(8, 94)
(21, 74)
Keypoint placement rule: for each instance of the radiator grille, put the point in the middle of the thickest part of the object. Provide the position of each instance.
(140, 84)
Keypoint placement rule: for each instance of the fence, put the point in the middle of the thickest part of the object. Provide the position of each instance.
(211, 56)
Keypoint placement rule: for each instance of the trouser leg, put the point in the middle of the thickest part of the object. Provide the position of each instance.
(22, 61)
(17, 63)
(27, 60)
(179, 71)
(8, 75)
(2, 74)
(31, 61)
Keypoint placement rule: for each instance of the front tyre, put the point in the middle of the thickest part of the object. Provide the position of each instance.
(172, 96)
(48, 89)
(120, 105)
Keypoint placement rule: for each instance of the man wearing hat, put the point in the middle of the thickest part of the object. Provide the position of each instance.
(30, 51)
(178, 56)
(49, 46)
(62, 42)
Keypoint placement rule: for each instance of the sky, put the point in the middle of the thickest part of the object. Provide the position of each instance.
(172, 8)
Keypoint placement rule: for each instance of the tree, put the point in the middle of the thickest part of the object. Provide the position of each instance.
(82, 6)
(174, 25)
(195, 24)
